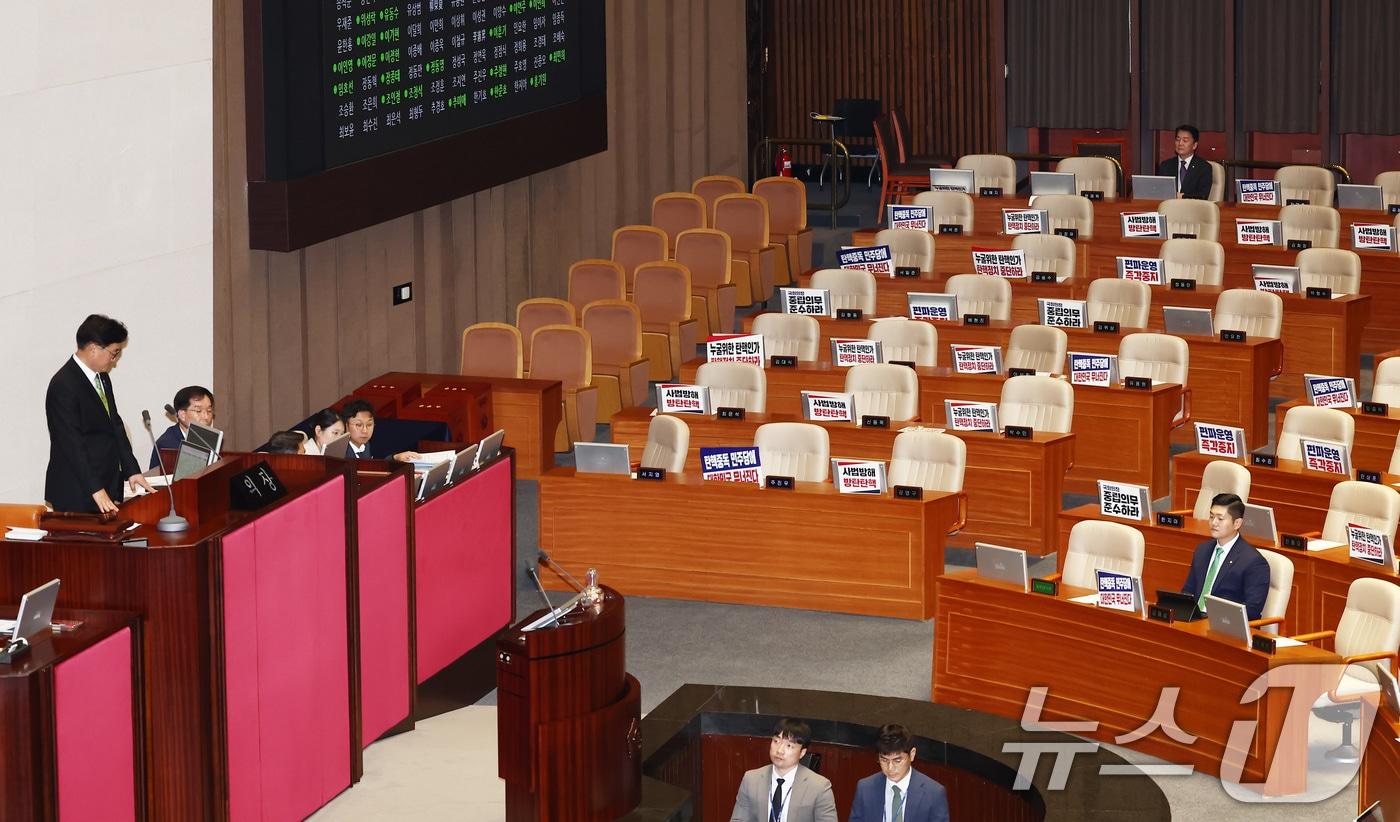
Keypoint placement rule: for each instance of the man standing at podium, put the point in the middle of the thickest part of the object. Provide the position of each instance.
(785, 791)
(1226, 566)
(898, 793)
(89, 453)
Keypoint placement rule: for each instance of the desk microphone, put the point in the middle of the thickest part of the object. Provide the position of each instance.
(171, 521)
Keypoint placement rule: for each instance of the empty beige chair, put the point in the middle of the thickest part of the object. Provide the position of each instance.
(735, 385)
(669, 333)
(1319, 225)
(884, 390)
(930, 459)
(619, 369)
(1366, 638)
(1126, 302)
(991, 171)
(981, 294)
(1312, 183)
(1039, 403)
(633, 245)
(789, 335)
(1068, 211)
(1199, 260)
(904, 340)
(1280, 591)
(793, 449)
(1361, 503)
(1199, 217)
(538, 312)
(1217, 182)
(491, 350)
(744, 217)
(713, 295)
(1220, 477)
(1091, 174)
(1386, 388)
(1256, 313)
(787, 220)
(564, 353)
(849, 287)
(949, 208)
(1047, 252)
(908, 247)
(1306, 421)
(668, 443)
(713, 187)
(1037, 347)
(677, 211)
(1095, 545)
(591, 280)
(1389, 181)
(1161, 358)
(1336, 268)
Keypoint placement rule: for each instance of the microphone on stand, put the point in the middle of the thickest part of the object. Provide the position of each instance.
(171, 521)
(564, 575)
(534, 575)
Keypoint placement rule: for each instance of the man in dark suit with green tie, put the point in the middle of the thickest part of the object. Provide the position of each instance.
(1226, 566)
(89, 452)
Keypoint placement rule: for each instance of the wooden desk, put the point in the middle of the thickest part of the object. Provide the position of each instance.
(529, 410)
(1380, 766)
(71, 710)
(993, 643)
(1013, 487)
(1299, 497)
(1131, 430)
(892, 294)
(686, 538)
(1374, 439)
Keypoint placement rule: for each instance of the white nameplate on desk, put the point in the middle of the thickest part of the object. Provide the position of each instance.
(875, 258)
(976, 359)
(964, 415)
(996, 263)
(730, 464)
(675, 398)
(1372, 237)
(1064, 313)
(1256, 232)
(811, 302)
(846, 353)
(1219, 440)
(827, 406)
(1093, 369)
(735, 348)
(1141, 269)
(1326, 456)
(1024, 220)
(1330, 392)
(1370, 545)
(915, 218)
(1280, 279)
(936, 307)
(858, 476)
(1257, 192)
(1144, 224)
(1120, 499)
(1119, 592)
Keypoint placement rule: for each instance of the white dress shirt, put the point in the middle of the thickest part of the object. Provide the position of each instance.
(789, 779)
(903, 785)
(361, 451)
(90, 374)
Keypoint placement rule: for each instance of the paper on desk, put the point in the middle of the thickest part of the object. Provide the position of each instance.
(1092, 599)
(15, 532)
(1323, 544)
(431, 459)
(159, 480)
(7, 626)
(1287, 642)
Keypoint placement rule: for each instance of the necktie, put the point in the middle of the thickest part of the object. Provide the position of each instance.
(1181, 176)
(896, 806)
(102, 395)
(1210, 577)
(775, 813)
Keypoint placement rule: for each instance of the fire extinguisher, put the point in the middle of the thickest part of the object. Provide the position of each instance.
(783, 164)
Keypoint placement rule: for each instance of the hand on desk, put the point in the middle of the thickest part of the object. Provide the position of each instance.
(407, 456)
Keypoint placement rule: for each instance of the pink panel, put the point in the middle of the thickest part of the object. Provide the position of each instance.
(241, 675)
(93, 725)
(462, 544)
(384, 698)
(294, 619)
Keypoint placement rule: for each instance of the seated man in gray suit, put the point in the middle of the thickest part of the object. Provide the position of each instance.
(785, 791)
(898, 793)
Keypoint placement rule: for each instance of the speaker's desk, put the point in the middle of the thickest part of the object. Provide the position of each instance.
(1127, 432)
(812, 547)
(1013, 486)
(1373, 441)
(993, 644)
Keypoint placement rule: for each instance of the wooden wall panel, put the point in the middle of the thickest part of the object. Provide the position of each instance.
(293, 332)
(939, 60)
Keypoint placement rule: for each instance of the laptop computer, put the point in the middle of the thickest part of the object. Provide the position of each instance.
(434, 480)
(1178, 319)
(35, 612)
(1259, 527)
(210, 439)
(602, 458)
(1366, 198)
(1053, 182)
(338, 447)
(1184, 607)
(463, 463)
(490, 447)
(1153, 187)
(191, 460)
(952, 179)
(1229, 618)
(1002, 563)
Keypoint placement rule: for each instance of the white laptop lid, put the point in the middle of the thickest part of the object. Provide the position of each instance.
(602, 458)
(945, 179)
(337, 447)
(1002, 563)
(1177, 319)
(1229, 618)
(1368, 198)
(490, 447)
(1052, 182)
(1153, 187)
(1259, 525)
(435, 479)
(464, 462)
(36, 611)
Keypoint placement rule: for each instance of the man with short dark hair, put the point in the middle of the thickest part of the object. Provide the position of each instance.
(193, 404)
(1193, 174)
(89, 453)
(1226, 566)
(785, 791)
(359, 424)
(898, 793)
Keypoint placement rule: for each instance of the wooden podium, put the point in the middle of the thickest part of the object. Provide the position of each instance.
(569, 717)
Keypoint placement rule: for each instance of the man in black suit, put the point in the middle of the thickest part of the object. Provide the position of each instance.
(89, 453)
(1227, 566)
(359, 423)
(1192, 173)
(193, 403)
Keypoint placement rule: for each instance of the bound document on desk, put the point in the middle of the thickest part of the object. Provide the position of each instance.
(430, 460)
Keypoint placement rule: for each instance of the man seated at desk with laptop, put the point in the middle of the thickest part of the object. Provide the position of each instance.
(1193, 174)
(1227, 566)
(359, 424)
(193, 404)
